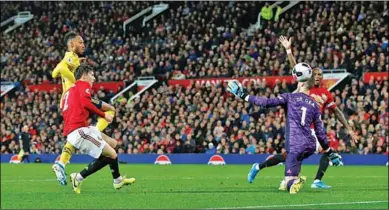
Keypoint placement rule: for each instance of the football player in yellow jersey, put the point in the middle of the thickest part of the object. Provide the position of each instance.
(65, 69)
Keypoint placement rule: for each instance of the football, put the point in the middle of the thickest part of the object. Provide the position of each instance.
(302, 72)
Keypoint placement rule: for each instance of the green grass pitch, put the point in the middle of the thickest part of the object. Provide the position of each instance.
(192, 186)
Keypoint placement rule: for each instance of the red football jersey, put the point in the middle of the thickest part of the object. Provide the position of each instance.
(76, 107)
(323, 97)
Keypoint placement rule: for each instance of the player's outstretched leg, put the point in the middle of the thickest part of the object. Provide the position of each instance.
(59, 167)
(256, 167)
(317, 183)
(92, 168)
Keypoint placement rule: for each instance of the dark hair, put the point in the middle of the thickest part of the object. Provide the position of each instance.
(69, 36)
(84, 68)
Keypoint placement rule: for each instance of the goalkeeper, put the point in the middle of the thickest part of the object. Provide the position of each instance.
(303, 111)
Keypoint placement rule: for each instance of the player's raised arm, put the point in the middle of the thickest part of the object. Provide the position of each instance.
(287, 44)
(236, 88)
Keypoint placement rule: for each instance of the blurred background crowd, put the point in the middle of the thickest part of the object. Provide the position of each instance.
(198, 40)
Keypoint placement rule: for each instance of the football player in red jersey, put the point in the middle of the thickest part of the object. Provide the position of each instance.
(88, 139)
(326, 101)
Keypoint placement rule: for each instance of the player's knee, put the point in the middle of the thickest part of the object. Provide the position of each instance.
(114, 144)
(114, 155)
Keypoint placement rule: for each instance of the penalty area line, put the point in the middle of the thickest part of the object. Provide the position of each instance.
(302, 205)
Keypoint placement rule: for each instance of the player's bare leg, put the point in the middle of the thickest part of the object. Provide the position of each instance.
(112, 142)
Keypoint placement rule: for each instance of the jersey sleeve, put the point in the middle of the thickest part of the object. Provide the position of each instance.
(330, 103)
(62, 70)
(85, 95)
(319, 130)
(269, 102)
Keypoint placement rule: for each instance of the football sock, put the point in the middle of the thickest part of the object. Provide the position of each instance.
(118, 180)
(289, 184)
(66, 154)
(95, 166)
(324, 163)
(114, 166)
(276, 159)
(79, 177)
(102, 123)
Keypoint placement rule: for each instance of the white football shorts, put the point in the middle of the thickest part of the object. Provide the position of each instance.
(88, 140)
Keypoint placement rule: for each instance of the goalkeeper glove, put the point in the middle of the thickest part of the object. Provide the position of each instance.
(335, 158)
(236, 88)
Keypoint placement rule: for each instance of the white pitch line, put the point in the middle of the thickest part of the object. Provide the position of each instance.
(302, 205)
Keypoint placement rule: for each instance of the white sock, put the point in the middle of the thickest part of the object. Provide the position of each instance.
(257, 167)
(118, 180)
(79, 177)
(316, 181)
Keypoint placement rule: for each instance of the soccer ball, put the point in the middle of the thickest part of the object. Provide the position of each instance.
(302, 72)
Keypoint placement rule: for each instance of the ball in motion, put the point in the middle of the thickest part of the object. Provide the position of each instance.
(302, 72)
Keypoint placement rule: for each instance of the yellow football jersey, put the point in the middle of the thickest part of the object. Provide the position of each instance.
(66, 69)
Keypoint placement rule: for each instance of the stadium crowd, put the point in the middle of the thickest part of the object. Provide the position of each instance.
(198, 39)
(200, 118)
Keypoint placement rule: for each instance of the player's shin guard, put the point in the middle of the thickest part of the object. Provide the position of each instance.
(95, 166)
(275, 160)
(67, 153)
(102, 123)
(324, 163)
(114, 166)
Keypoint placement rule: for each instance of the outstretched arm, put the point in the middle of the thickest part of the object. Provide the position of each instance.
(339, 115)
(237, 89)
(267, 102)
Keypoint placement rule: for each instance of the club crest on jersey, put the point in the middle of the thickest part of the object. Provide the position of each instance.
(87, 91)
(70, 60)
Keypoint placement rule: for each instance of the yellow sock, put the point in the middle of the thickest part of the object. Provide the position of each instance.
(102, 123)
(67, 153)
